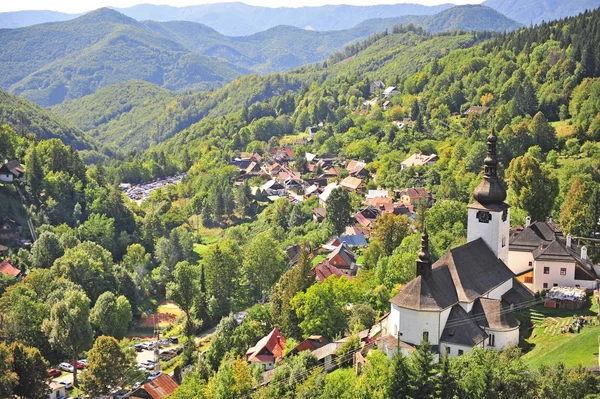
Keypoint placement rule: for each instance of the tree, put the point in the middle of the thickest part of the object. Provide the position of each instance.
(99, 229)
(46, 249)
(542, 132)
(68, 327)
(444, 214)
(338, 209)
(221, 342)
(361, 317)
(390, 230)
(8, 378)
(136, 260)
(112, 315)
(183, 290)
(34, 178)
(107, 364)
(263, 264)
(424, 381)
(580, 210)
(32, 371)
(532, 187)
(401, 377)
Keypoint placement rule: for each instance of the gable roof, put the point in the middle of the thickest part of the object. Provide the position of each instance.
(324, 269)
(274, 343)
(354, 240)
(161, 387)
(417, 192)
(419, 159)
(8, 269)
(462, 274)
(344, 251)
(493, 313)
(461, 328)
(351, 182)
(476, 109)
(13, 167)
(355, 167)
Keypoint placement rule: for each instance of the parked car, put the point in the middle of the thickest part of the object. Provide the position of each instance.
(68, 385)
(148, 345)
(147, 366)
(80, 366)
(154, 375)
(164, 342)
(66, 367)
(83, 361)
(174, 340)
(136, 386)
(53, 373)
(138, 347)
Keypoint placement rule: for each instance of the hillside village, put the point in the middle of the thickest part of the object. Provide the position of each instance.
(415, 216)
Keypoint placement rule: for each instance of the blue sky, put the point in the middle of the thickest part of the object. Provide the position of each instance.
(78, 6)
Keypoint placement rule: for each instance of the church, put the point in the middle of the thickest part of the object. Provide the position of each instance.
(468, 297)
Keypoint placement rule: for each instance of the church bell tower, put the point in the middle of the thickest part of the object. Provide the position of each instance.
(489, 215)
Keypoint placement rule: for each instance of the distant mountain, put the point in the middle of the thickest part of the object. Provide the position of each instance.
(469, 18)
(535, 11)
(50, 63)
(19, 19)
(26, 117)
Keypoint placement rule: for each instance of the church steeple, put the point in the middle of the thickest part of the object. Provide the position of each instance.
(490, 191)
(424, 261)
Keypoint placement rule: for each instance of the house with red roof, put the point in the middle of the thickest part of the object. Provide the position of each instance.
(309, 344)
(158, 388)
(267, 350)
(325, 269)
(7, 269)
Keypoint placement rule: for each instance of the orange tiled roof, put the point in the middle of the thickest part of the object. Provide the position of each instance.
(9, 270)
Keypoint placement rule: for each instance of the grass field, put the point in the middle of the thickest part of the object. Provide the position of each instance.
(317, 259)
(563, 128)
(545, 344)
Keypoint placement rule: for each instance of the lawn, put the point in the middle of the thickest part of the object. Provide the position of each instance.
(563, 128)
(547, 345)
(317, 259)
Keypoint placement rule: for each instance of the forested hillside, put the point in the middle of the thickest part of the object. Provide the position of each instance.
(25, 117)
(536, 11)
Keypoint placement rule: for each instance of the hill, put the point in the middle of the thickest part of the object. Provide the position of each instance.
(67, 60)
(535, 11)
(469, 18)
(26, 117)
(19, 19)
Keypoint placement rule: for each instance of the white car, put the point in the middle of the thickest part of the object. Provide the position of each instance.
(154, 375)
(147, 366)
(68, 385)
(83, 361)
(66, 367)
(148, 345)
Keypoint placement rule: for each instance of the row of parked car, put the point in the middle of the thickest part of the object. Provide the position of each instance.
(150, 345)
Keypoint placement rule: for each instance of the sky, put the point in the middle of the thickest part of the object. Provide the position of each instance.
(79, 6)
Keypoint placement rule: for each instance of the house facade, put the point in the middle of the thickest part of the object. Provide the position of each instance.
(419, 159)
(542, 258)
(466, 298)
(11, 171)
(267, 350)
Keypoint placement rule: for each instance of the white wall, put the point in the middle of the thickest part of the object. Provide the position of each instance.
(502, 338)
(6, 178)
(502, 289)
(518, 261)
(413, 323)
(493, 232)
(454, 348)
(554, 276)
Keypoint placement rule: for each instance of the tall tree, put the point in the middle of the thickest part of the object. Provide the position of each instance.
(46, 249)
(424, 381)
(111, 315)
(32, 370)
(338, 209)
(183, 290)
(390, 230)
(580, 211)
(400, 378)
(34, 178)
(533, 188)
(263, 264)
(8, 378)
(68, 326)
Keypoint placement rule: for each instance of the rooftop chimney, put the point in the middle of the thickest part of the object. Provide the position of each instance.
(424, 258)
(584, 253)
(569, 240)
(528, 221)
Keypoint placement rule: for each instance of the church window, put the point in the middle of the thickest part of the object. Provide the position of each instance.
(425, 336)
(460, 352)
(545, 285)
(504, 215)
(491, 340)
(530, 263)
(484, 216)
(546, 270)
(563, 271)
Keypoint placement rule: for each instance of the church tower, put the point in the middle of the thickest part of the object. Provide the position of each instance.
(489, 215)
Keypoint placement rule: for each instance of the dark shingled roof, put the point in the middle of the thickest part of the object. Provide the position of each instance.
(461, 329)
(517, 294)
(492, 313)
(463, 274)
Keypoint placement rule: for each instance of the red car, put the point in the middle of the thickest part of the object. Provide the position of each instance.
(80, 366)
(53, 373)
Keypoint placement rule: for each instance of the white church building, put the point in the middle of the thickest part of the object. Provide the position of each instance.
(467, 298)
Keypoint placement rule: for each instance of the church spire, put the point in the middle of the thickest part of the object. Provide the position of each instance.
(424, 258)
(490, 191)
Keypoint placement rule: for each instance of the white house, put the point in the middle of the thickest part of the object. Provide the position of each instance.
(466, 298)
(56, 390)
(390, 92)
(542, 258)
(419, 159)
(11, 171)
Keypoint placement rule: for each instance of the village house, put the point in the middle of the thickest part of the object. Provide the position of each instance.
(414, 196)
(542, 258)
(343, 259)
(8, 270)
(376, 86)
(10, 230)
(353, 184)
(390, 92)
(353, 240)
(11, 171)
(324, 269)
(357, 169)
(268, 350)
(367, 216)
(311, 343)
(273, 187)
(159, 388)
(326, 355)
(466, 298)
(377, 194)
(384, 204)
(419, 159)
(318, 214)
(326, 193)
(476, 110)
(56, 390)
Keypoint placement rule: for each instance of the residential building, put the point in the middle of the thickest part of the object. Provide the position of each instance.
(7, 269)
(11, 171)
(10, 230)
(376, 86)
(309, 344)
(466, 298)
(353, 184)
(390, 92)
(542, 258)
(324, 269)
(476, 110)
(272, 187)
(414, 196)
(159, 388)
(354, 240)
(377, 194)
(344, 259)
(56, 390)
(357, 169)
(419, 160)
(267, 350)
(367, 216)
(326, 355)
(326, 193)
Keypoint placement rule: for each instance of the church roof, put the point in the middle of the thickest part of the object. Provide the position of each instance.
(463, 274)
(490, 192)
(493, 313)
(461, 329)
(518, 294)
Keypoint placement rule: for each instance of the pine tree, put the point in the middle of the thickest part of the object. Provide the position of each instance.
(447, 388)
(34, 177)
(401, 377)
(424, 381)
